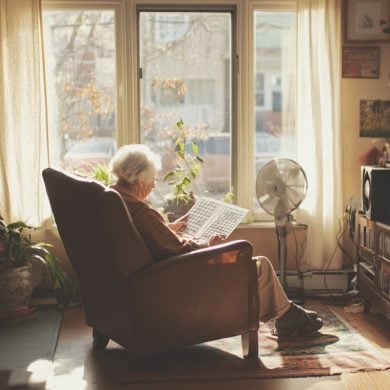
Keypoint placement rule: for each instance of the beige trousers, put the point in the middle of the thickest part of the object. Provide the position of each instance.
(273, 300)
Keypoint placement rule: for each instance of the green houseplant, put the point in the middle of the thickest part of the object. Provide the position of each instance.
(18, 254)
(180, 178)
(101, 174)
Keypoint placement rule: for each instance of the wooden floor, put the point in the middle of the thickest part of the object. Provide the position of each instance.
(74, 368)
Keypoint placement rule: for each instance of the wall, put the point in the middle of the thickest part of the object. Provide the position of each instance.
(264, 240)
(352, 90)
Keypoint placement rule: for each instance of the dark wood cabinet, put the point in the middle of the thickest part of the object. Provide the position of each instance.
(374, 263)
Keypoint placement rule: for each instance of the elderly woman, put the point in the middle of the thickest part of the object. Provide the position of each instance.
(135, 168)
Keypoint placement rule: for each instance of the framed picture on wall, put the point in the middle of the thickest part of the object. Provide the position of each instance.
(362, 20)
(374, 118)
(361, 62)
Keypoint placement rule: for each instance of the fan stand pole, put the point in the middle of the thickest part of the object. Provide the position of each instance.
(295, 294)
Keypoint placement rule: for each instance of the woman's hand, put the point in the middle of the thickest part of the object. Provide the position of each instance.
(216, 239)
(179, 224)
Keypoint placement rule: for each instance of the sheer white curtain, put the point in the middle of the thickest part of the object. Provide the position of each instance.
(23, 137)
(318, 126)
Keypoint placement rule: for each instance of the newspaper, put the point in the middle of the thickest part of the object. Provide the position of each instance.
(209, 216)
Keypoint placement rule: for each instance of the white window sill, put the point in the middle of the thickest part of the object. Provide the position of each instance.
(268, 225)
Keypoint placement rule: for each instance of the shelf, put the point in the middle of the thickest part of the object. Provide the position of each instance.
(367, 270)
(367, 255)
(373, 277)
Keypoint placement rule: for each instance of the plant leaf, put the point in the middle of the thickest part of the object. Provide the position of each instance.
(180, 123)
(186, 181)
(168, 175)
(195, 148)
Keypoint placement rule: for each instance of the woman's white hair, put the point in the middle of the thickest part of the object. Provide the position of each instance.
(135, 162)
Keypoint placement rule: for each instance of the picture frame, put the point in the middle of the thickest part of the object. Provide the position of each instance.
(362, 21)
(374, 118)
(361, 62)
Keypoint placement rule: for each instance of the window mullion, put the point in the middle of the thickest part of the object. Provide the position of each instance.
(244, 150)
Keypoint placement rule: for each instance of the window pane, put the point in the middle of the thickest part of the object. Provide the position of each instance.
(186, 73)
(274, 88)
(81, 83)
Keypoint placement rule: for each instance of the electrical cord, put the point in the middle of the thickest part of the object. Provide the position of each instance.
(339, 246)
(346, 219)
(338, 235)
(300, 273)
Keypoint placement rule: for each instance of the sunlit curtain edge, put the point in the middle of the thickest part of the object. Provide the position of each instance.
(318, 127)
(23, 123)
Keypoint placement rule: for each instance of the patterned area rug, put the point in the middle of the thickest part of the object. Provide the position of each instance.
(337, 348)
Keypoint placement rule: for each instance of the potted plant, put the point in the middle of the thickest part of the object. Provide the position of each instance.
(101, 173)
(187, 169)
(19, 256)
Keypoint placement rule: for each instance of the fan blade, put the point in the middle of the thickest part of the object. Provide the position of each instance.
(294, 196)
(268, 172)
(302, 187)
(271, 169)
(298, 181)
(268, 203)
(293, 173)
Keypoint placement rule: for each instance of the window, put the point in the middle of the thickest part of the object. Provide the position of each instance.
(126, 71)
(188, 75)
(201, 92)
(274, 59)
(170, 26)
(167, 92)
(259, 90)
(82, 87)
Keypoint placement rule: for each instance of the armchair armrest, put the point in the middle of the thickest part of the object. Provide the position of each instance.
(221, 253)
(202, 295)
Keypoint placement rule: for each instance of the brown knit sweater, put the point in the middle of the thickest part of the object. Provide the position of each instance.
(161, 241)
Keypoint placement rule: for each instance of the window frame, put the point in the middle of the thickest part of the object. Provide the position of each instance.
(201, 6)
(118, 7)
(243, 88)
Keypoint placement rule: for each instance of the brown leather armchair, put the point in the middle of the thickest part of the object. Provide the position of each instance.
(143, 305)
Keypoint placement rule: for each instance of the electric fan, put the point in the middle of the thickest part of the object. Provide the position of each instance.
(281, 186)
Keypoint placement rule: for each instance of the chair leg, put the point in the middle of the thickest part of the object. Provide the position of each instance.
(100, 340)
(250, 344)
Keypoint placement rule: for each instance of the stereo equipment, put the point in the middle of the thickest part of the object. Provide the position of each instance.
(376, 193)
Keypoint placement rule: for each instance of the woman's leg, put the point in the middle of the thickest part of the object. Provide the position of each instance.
(291, 319)
(273, 300)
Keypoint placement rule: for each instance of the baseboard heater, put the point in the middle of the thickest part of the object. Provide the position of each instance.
(320, 282)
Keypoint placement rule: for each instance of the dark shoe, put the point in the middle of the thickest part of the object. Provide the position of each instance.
(297, 321)
(311, 313)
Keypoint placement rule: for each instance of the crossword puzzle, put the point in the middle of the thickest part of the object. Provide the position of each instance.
(210, 216)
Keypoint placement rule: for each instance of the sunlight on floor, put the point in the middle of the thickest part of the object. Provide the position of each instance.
(44, 370)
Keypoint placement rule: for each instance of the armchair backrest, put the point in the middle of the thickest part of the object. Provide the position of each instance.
(99, 237)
